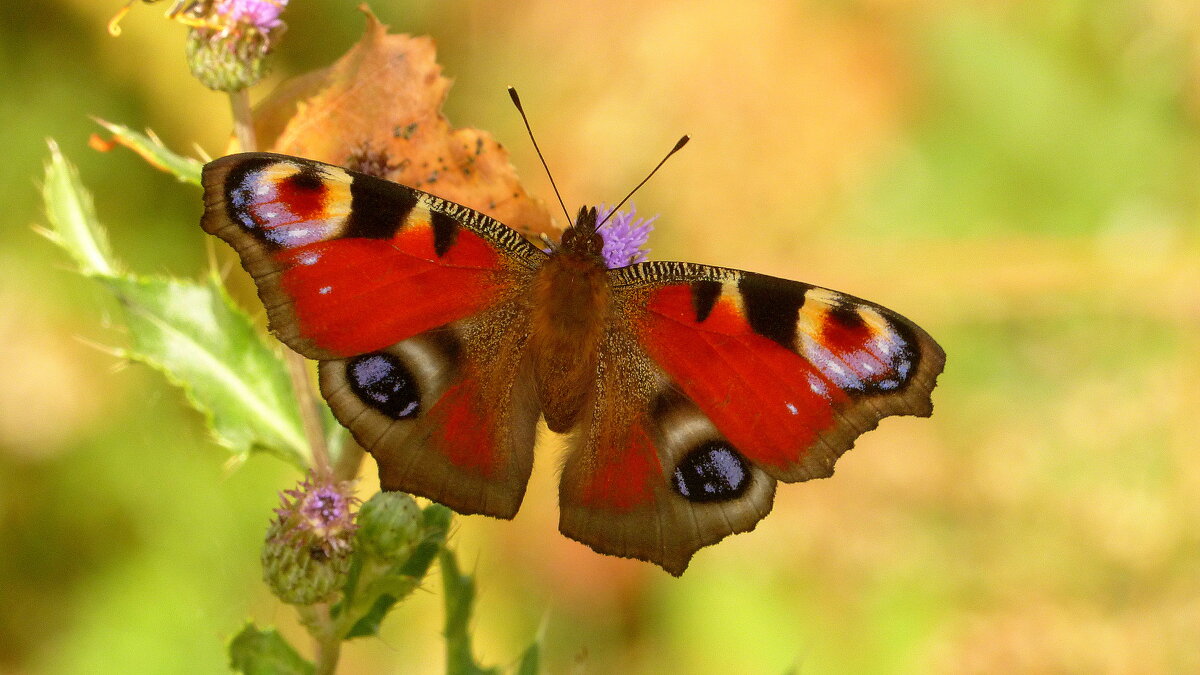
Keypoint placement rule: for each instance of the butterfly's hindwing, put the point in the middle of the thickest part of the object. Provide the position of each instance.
(448, 414)
(647, 474)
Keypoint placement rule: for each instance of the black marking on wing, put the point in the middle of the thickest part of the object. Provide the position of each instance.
(239, 195)
(666, 401)
(382, 381)
(378, 208)
(711, 472)
(503, 236)
(450, 347)
(445, 232)
(772, 306)
(308, 178)
(910, 351)
(704, 297)
(847, 315)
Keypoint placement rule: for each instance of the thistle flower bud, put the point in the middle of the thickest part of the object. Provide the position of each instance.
(389, 526)
(307, 553)
(227, 48)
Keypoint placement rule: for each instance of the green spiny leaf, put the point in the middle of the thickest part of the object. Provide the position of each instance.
(152, 150)
(265, 652)
(73, 218)
(190, 331)
(369, 624)
(383, 595)
(437, 526)
(530, 660)
(203, 343)
(459, 591)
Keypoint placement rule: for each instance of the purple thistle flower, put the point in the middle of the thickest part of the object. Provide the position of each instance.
(228, 43)
(625, 236)
(324, 508)
(307, 553)
(262, 14)
(319, 513)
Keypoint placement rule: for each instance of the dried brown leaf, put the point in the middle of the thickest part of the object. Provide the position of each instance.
(378, 110)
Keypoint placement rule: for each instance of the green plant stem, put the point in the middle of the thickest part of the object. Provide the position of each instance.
(348, 460)
(243, 120)
(326, 634)
(310, 414)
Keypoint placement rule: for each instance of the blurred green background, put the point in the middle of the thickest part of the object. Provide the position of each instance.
(1021, 178)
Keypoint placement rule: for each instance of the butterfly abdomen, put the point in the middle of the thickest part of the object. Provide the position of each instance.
(571, 300)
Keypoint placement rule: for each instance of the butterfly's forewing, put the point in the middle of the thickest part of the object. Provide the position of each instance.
(347, 263)
(756, 379)
(791, 372)
(413, 306)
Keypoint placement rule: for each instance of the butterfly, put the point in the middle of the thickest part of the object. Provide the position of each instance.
(686, 392)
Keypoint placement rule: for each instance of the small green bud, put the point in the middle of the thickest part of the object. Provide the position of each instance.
(226, 62)
(307, 553)
(229, 40)
(300, 573)
(389, 526)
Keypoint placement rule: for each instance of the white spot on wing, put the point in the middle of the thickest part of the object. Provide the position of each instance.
(832, 366)
(839, 371)
(884, 345)
(817, 385)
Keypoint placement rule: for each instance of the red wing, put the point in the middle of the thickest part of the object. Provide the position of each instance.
(789, 373)
(717, 384)
(347, 263)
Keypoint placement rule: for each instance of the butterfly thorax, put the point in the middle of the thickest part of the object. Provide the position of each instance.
(571, 299)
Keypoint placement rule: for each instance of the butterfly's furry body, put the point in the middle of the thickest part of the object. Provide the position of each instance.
(686, 391)
(570, 301)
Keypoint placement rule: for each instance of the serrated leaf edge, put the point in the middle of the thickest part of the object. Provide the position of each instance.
(221, 371)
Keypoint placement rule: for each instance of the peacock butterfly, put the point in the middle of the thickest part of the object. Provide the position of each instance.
(686, 391)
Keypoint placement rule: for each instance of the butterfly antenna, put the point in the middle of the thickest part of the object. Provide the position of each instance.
(114, 24)
(512, 93)
(678, 146)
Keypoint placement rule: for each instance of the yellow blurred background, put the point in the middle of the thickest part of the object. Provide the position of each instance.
(1021, 178)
